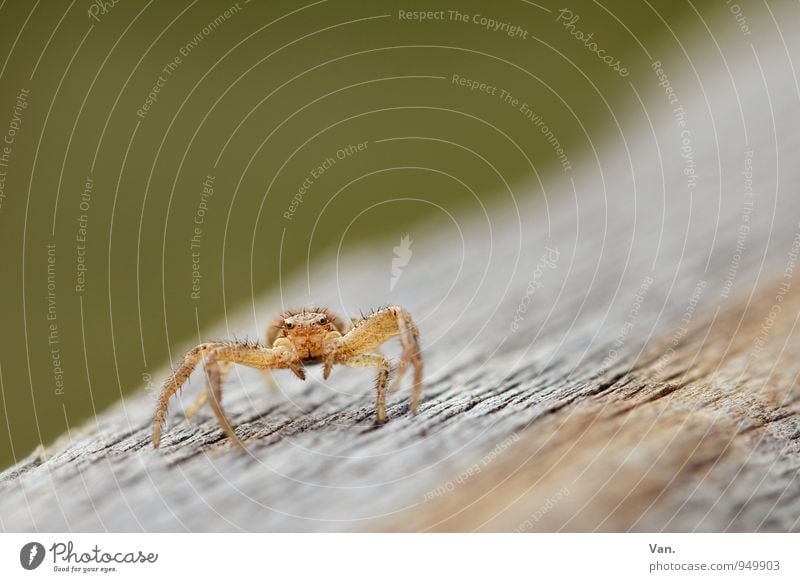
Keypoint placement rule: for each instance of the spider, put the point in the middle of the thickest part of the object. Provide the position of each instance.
(297, 339)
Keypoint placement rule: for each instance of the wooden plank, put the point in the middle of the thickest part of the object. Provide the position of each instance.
(615, 359)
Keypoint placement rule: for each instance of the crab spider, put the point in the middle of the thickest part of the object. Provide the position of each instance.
(297, 339)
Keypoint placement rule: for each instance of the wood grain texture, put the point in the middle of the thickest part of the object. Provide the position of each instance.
(650, 382)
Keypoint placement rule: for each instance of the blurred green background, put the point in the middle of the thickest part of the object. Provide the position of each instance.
(262, 94)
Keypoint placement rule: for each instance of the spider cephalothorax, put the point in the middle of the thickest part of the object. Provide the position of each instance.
(296, 339)
(307, 329)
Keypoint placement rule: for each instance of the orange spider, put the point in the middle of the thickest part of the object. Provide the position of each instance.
(301, 338)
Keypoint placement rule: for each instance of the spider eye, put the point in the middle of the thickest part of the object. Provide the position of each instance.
(322, 320)
(289, 324)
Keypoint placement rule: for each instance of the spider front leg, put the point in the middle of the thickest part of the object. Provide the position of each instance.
(202, 398)
(226, 367)
(214, 375)
(379, 362)
(374, 330)
(259, 357)
(175, 381)
(402, 366)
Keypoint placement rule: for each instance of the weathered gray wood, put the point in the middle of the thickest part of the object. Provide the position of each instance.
(636, 394)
